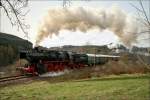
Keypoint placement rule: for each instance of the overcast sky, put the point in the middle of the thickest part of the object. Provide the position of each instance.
(38, 8)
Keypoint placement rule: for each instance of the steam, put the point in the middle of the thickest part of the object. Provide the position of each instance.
(84, 19)
(53, 74)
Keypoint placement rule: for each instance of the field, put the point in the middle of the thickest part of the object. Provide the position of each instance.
(121, 87)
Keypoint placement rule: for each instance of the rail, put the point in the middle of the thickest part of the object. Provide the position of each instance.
(10, 78)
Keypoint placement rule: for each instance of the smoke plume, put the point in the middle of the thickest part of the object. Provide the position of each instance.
(83, 19)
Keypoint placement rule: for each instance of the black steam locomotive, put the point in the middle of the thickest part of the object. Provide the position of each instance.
(42, 61)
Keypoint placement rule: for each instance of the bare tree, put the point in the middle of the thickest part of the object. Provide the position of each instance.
(15, 11)
(143, 16)
(144, 19)
(66, 3)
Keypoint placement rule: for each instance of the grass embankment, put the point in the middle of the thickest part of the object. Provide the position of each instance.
(123, 87)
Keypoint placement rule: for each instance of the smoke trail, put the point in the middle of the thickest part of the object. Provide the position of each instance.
(84, 19)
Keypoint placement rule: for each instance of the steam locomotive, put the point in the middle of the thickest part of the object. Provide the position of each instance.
(42, 61)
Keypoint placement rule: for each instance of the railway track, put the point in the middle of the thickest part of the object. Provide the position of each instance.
(11, 78)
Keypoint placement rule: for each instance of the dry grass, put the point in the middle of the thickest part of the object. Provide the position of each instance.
(128, 64)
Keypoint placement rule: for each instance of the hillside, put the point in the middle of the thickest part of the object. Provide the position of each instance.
(10, 46)
(7, 39)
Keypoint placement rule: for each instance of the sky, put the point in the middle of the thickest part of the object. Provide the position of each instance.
(38, 9)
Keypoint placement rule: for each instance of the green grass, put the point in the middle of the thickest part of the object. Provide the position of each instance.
(123, 87)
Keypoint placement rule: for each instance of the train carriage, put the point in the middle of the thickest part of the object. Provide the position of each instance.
(100, 59)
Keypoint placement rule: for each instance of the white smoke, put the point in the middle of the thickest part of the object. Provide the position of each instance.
(114, 19)
(53, 74)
